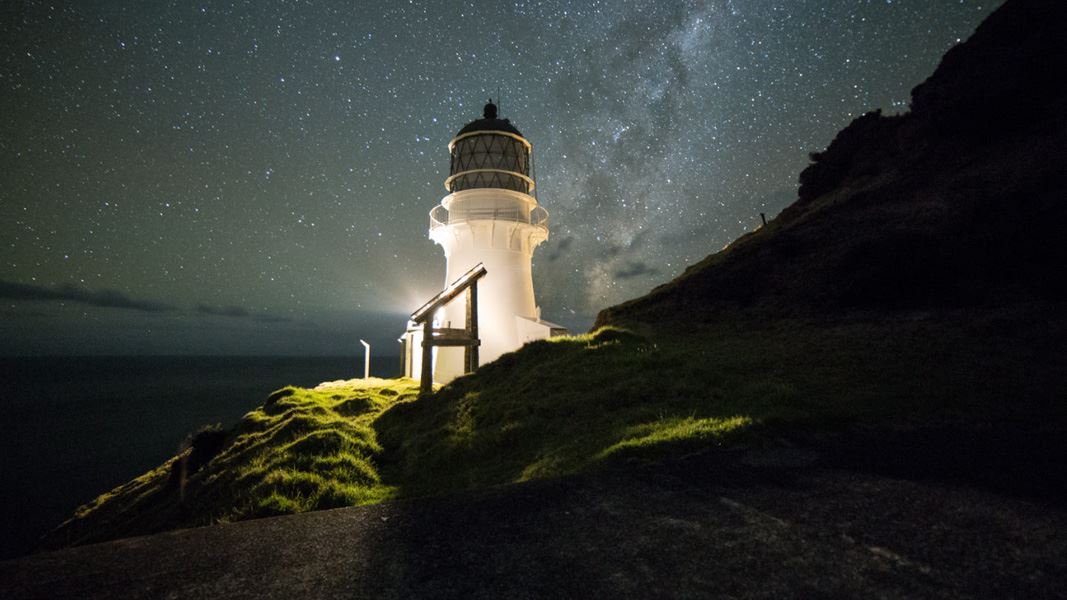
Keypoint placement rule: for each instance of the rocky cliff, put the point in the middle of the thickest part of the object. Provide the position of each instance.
(958, 203)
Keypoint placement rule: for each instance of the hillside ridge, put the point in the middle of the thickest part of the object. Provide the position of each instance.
(957, 203)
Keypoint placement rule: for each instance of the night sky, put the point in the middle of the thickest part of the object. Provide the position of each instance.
(255, 177)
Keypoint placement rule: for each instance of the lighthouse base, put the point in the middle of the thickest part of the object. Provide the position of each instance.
(448, 363)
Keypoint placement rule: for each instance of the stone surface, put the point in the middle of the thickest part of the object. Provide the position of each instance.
(707, 526)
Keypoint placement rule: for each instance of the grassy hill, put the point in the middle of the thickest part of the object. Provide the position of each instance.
(304, 449)
(906, 313)
(978, 389)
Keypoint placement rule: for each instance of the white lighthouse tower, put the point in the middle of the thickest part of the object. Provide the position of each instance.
(489, 216)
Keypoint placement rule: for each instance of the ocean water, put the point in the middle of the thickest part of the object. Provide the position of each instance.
(72, 428)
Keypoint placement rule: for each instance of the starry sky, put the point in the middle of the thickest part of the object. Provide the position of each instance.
(254, 177)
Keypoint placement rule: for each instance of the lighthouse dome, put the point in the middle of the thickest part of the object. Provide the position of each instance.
(489, 153)
(489, 122)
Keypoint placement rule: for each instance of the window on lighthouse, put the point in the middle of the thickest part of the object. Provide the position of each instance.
(488, 151)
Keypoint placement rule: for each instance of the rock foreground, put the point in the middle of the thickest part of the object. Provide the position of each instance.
(723, 524)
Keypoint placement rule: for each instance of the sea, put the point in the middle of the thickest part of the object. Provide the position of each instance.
(72, 428)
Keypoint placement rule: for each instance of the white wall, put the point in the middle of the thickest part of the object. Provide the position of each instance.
(505, 247)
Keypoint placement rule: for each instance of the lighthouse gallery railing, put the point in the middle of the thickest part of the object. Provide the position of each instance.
(441, 216)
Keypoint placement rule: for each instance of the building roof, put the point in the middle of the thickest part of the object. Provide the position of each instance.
(489, 122)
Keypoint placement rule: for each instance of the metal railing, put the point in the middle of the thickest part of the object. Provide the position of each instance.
(441, 216)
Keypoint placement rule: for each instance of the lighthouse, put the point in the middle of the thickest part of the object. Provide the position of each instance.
(490, 216)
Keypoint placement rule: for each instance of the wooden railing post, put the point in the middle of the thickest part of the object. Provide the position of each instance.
(466, 337)
(472, 327)
(426, 381)
(467, 330)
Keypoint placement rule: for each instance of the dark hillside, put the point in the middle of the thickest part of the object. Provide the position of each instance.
(958, 204)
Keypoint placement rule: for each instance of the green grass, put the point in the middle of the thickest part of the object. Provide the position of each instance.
(566, 405)
(674, 431)
(304, 449)
(611, 398)
(308, 449)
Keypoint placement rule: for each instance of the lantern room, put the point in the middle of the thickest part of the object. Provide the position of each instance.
(490, 153)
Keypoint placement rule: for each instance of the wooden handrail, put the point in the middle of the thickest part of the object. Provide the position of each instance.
(447, 336)
(454, 289)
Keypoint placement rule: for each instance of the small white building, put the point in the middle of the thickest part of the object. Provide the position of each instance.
(489, 216)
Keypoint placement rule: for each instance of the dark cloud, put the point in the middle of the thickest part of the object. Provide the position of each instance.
(240, 313)
(73, 293)
(634, 245)
(23, 314)
(634, 268)
(272, 319)
(113, 299)
(560, 248)
(639, 239)
(221, 311)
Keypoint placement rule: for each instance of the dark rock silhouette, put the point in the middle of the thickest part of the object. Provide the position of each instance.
(203, 445)
(959, 203)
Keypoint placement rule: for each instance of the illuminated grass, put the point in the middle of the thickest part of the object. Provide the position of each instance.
(304, 449)
(675, 431)
(560, 406)
(609, 398)
(574, 403)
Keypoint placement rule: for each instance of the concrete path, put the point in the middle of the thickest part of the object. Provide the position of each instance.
(702, 527)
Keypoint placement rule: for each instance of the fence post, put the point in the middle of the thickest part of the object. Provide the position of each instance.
(426, 381)
(366, 359)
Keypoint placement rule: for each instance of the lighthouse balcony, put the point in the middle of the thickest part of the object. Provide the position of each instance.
(441, 216)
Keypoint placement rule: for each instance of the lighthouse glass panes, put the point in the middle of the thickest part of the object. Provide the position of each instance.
(490, 160)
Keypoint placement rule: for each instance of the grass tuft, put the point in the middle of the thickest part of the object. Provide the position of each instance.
(676, 432)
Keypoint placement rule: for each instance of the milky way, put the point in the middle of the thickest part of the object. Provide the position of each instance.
(256, 177)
